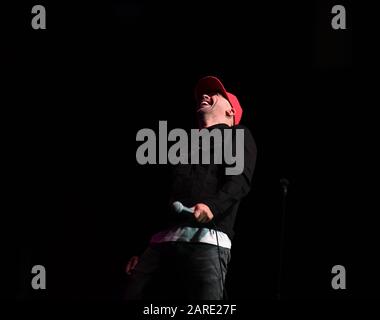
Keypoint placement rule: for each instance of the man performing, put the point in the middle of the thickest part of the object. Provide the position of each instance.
(188, 260)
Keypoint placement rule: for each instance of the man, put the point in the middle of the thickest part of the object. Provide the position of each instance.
(190, 257)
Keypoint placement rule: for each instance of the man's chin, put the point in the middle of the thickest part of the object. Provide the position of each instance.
(204, 109)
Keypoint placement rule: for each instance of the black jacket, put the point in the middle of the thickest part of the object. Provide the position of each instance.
(209, 184)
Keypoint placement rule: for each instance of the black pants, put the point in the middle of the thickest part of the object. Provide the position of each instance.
(179, 271)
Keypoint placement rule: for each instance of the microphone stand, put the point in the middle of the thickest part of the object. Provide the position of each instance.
(284, 185)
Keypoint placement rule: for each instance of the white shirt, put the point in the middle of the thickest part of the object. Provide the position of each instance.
(189, 234)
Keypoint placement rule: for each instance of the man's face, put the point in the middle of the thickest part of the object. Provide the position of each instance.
(213, 103)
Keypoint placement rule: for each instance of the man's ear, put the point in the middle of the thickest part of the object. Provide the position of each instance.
(230, 112)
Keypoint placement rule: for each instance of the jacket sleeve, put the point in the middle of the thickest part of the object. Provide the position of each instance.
(235, 187)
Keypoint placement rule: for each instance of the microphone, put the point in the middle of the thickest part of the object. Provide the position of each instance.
(180, 208)
(284, 183)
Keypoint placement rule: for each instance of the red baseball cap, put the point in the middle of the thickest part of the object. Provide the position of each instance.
(213, 84)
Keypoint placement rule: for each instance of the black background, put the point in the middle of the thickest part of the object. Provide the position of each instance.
(81, 90)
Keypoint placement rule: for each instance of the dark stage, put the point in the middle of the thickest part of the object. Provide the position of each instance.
(82, 88)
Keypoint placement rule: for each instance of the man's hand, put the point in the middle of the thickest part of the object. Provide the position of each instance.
(131, 264)
(202, 213)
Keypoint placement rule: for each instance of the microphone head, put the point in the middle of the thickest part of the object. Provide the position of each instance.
(177, 206)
